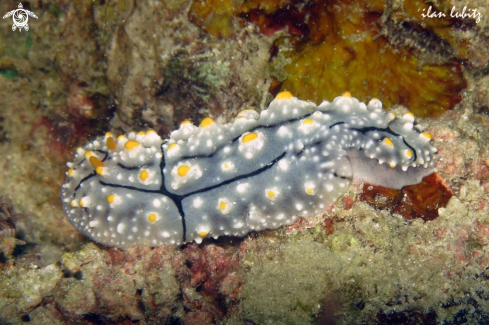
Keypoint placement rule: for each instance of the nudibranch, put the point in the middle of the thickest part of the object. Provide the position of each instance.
(262, 171)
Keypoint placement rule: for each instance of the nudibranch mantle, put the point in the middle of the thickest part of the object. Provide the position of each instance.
(262, 171)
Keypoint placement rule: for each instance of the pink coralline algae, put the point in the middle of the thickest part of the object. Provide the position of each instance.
(212, 271)
(197, 284)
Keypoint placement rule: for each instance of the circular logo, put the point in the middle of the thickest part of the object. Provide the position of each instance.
(20, 17)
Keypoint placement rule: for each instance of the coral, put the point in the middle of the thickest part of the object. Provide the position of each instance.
(161, 81)
(416, 201)
(423, 200)
(210, 280)
(339, 49)
(359, 261)
(136, 284)
(23, 289)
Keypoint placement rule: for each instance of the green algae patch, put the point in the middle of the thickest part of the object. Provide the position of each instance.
(76, 297)
(283, 289)
(9, 73)
(342, 242)
(23, 289)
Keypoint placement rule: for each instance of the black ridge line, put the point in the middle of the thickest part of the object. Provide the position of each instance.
(237, 178)
(177, 199)
(371, 128)
(131, 188)
(265, 127)
(342, 177)
(415, 156)
(274, 125)
(335, 124)
(133, 168)
(81, 181)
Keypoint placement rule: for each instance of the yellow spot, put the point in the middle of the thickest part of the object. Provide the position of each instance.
(111, 198)
(81, 203)
(150, 131)
(307, 121)
(271, 194)
(183, 170)
(388, 142)
(284, 95)
(171, 146)
(108, 134)
(206, 122)
(346, 94)
(185, 122)
(70, 172)
(374, 98)
(152, 217)
(239, 117)
(121, 138)
(73, 203)
(310, 191)
(111, 143)
(249, 137)
(393, 165)
(427, 135)
(141, 133)
(222, 205)
(88, 154)
(143, 175)
(99, 170)
(203, 233)
(131, 144)
(96, 162)
(409, 114)
(226, 165)
(409, 153)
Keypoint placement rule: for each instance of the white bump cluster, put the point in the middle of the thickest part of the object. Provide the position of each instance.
(261, 171)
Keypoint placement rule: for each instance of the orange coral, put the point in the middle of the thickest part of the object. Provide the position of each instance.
(339, 48)
(416, 201)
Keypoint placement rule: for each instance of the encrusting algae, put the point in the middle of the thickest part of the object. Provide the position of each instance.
(86, 68)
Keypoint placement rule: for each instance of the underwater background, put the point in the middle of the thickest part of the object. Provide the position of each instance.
(380, 256)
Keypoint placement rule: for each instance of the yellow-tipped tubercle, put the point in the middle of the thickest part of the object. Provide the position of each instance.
(206, 122)
(388, 142)
(131, 144)
(249, 137)
(284, 95)
(183, 170)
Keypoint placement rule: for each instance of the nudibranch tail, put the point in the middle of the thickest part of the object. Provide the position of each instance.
(261, 171)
